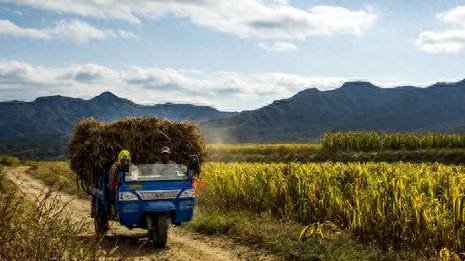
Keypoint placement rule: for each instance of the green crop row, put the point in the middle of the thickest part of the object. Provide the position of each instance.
(372, 141)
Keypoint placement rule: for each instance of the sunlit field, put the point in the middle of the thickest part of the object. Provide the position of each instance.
(400, 204)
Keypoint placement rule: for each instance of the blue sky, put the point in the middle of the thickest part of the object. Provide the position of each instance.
(232, 55)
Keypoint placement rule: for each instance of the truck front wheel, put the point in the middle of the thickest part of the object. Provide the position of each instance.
(159, 230)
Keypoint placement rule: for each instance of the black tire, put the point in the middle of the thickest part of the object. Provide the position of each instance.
(100, 222)
(159, 232)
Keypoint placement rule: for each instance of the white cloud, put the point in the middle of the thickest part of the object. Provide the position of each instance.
(278, 46)
(272, 19)
(86, 74)
(7, 27)
(14, 73)
(454, 16)
(448, 41)
(224, 90)
(451, 41)
(75, 30)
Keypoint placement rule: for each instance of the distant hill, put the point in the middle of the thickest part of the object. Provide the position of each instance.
(39, 129)
(56, 115)
(355, 106)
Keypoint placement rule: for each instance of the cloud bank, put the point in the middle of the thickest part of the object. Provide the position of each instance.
(224, 90)
(448, 41)
(244, 18)
(75, 30)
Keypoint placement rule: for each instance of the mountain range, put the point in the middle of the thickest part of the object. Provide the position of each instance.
(355, 106)
(56, 115)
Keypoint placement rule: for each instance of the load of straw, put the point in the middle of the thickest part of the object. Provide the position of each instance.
(95, 145)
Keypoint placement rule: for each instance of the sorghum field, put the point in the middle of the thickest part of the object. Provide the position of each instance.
(398, 204)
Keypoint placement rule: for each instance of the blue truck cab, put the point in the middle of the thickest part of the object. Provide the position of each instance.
(149, 196)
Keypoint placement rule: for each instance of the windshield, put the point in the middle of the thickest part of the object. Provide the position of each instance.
(171, 171)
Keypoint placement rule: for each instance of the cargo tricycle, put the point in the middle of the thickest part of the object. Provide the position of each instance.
(149, 196)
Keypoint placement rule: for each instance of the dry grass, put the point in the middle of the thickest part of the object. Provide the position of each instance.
(262, 152)
(283, 238)
(95, 145)
(57, 175)
(41, 230)
(250, 148)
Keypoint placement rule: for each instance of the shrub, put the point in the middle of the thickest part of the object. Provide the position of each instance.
(213, 223)
(9, 160)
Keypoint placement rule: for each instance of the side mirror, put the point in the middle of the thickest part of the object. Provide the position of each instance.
(194, 164)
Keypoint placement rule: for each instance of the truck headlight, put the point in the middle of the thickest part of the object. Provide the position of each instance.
(127, 196)
(188, 193)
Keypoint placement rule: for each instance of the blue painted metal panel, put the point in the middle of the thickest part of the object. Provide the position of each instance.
(131, 213)
(159, 206)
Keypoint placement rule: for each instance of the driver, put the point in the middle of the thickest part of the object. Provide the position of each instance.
(124, 159)
(165, 154)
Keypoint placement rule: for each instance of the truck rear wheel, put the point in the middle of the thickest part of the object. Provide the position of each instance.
(100, 221)
(159, 231)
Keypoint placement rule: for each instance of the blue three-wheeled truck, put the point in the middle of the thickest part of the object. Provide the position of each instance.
(149, 196)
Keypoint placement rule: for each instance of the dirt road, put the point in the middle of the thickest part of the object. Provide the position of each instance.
(182, 245)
